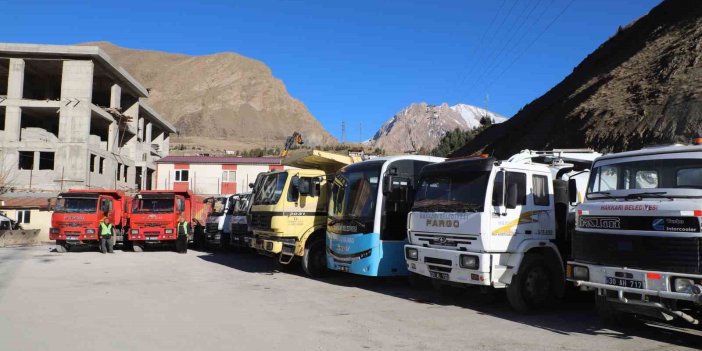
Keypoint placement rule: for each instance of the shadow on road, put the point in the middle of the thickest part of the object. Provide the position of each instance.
(574, 315)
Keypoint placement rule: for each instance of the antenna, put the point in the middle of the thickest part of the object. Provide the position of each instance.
(360, 132)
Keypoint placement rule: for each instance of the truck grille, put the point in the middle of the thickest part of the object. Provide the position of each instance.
(212, 227)
(240, 229)
(261, 221)
(668, 254)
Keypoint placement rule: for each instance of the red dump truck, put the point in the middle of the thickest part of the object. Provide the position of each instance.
(77, 215)
(154, 216)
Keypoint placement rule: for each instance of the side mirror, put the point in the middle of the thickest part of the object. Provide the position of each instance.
(511, 197)
(387, 184)
(51, 204)
(572, 191)
(251, 185)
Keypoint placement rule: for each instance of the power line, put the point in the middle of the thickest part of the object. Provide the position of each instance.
(516, 58)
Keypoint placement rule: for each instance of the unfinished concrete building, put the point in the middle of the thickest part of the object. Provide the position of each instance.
(70, 117)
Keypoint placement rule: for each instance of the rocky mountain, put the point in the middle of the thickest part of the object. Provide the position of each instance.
(420, 126)
(642, 86)
(221, 101)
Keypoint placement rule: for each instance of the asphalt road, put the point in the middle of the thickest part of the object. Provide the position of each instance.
(203, 301)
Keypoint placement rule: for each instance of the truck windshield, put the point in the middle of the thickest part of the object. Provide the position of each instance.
(152, 205)
(220, 203)
(646, 174)
(241, 205)
(463, 192)
(76, 205)
(271, 188)
(355, 193)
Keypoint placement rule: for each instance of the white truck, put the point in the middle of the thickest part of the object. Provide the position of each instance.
(497, 224)
(637, 240)
(218, 226)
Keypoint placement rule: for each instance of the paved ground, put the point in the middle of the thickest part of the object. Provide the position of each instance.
(203, 301)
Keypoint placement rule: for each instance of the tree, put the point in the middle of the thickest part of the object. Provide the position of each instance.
(452, 141)
(7, 176)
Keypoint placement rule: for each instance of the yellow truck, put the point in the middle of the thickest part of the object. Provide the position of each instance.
(289, 211)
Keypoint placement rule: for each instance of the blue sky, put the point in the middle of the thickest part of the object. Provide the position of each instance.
(356, 61)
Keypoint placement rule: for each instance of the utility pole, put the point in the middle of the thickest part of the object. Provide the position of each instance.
(343, 131)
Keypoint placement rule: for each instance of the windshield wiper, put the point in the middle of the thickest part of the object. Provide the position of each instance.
(658, 194)
(604, 195)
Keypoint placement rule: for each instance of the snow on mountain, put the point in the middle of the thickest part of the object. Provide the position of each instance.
(472, 115)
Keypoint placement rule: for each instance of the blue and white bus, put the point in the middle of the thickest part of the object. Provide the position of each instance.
(367, 222)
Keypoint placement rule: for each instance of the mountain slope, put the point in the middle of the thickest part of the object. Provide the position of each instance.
(223, 100)
(642, 86)
(421, 126)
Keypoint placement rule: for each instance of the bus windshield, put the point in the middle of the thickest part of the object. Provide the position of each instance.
(271, 188)
(76, 205)
(355, 193)
(153, 205)
(464, 192)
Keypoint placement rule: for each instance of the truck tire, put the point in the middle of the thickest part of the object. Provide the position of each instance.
(533, 286)
(314, 262)
(61, 246)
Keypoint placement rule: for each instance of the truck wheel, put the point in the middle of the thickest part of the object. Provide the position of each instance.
(532, 287)
(61, 247)
(314, 263)
(137, 247)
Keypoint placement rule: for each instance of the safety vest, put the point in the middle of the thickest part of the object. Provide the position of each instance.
(185, 227)
(105, 229)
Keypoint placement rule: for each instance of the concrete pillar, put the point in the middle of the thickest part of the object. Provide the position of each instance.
(74, 120)
(15, 81)
(148, 139)
(113, 137)
(116, 96)
(15, 87)
(166, 145)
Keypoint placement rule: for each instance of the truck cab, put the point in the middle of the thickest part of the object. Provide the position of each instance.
(239, 228)
(77, 215)
(638, 239)
(496, 224)
(288, 214)
(154, 216)
(218, 226)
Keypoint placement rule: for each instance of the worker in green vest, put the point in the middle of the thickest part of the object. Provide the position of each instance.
(183, 230)
(106, 233)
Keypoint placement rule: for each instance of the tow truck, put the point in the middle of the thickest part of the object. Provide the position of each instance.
(77, 214)
(637, 240)
(497, 224)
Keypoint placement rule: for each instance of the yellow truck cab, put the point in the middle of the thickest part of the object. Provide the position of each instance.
(289, 211)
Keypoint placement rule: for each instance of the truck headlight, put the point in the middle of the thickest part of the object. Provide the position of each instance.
(135, 231)
(168, 231)
(411, 253)
(54, 231)
(581, 273)
(90, 231)
(684, 285)
(468, 261)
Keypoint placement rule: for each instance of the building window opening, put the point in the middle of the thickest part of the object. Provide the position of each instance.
(229, 176)
(24, 216)
(46, 160)
(92, 163)
(26, 159)
(2, 118)
(102, 165)
(119, 171)
(39, 124)
(182, 175)
(125, 173)
(42, 79)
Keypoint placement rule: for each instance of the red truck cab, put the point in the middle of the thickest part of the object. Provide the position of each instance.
(77, 215)
(154, 216)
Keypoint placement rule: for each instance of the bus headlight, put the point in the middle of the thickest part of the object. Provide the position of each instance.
(411, 253)
(470, 262)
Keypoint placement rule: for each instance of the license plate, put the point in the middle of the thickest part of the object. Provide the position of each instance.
(152, 238)
(439, 275)
(343, 268)
(71, 237)
(625, 283)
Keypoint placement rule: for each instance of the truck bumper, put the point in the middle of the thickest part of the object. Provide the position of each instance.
(268, 246)
(445, 265)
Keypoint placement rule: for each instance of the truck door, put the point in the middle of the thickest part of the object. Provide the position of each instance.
(107, 209)
(543, 217)
(508, 221)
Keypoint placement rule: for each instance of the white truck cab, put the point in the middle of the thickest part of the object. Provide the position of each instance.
(637, 240)
(500, 224)
(218, 226)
